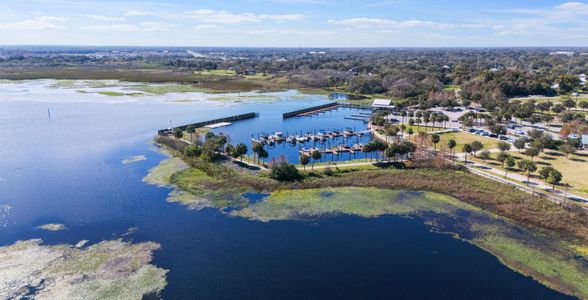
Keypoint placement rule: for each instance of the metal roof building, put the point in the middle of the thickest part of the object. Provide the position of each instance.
(383, 103)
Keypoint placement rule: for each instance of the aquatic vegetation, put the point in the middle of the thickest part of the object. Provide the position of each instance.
(582, 250)
(256, 98)
(52, 227)
(119, 94)
(107, 270)
(201, 190)
(161, 174)
(134, 159)
(546, 257)
(168, 88)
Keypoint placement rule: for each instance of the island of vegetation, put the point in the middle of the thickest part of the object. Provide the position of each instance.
(52, 227)
(107, 270)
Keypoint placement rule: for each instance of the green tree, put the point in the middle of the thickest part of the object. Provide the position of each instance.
(510, 163)
(502, 157)
(568, 83)
(178, 133)
(435, 139)
(392, 151)
(240, 150)
(532, 152)
(485, 155)
(410, 132)
(191, 129)
(520, 143)
(304, 160)
(503, 146)
(316, 155)
(551, 175)
(567, 149)
(283, 171)
(527, 166)
(230, 150)
(467, 149)
(257, 148)
(569, 103)
(451, 144)
(263, 154)
(476, 146)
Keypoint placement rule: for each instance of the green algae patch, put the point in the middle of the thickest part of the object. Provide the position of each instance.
(107, 270)
(119, 94)
(161, 174)
(52, 227)
(553, 266)
(365, 202)
(169, 88)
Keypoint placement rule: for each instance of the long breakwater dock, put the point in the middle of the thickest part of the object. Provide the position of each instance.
(315, 110)
(213, 123)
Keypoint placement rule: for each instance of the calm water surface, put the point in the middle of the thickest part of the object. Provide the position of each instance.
(68, 170)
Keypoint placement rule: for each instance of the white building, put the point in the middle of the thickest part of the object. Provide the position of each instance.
(383, 104)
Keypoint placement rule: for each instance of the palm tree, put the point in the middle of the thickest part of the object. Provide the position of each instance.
(316, 155)
(304, 160)
(510, 162)
(410, 132)
(451, 144)
(435, 139)
(467, 149)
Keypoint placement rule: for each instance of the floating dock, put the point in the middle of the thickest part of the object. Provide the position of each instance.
(320, 136)
(336, 151)
(211, 122)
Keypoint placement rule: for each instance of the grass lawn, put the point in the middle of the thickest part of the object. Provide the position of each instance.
(216, 72)
(574, 168)
(420, 128)
(465, 138)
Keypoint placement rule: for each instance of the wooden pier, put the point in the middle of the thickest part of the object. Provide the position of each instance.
(210, 122)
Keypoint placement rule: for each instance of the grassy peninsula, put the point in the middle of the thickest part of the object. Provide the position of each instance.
(531, 235)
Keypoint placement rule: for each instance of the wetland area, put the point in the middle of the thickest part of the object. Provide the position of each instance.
(90, 206)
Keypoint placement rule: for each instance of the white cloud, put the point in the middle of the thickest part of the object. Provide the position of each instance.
(208, 27)
(210, 16)
(136, 12)
(141, 27)
(574, 7)
(37, 23)
(105, 18)
(375, 22)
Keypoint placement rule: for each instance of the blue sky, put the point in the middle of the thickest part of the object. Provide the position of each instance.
(290, 23)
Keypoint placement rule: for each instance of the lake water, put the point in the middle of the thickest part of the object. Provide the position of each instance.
(68, 169)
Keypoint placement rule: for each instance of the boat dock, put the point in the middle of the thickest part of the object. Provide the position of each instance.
(214, 123)
(320, 136)
(336, 150)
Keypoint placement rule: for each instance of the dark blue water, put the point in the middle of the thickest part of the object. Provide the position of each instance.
(68, 170)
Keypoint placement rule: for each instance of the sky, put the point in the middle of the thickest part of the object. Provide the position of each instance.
(294, 23)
